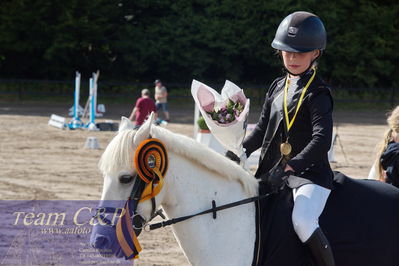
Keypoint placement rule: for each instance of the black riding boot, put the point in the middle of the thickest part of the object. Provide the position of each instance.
(320, 248)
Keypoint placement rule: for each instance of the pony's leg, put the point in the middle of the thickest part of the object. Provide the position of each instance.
(309, 202)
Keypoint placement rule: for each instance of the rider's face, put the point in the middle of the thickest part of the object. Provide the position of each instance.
(297, 63)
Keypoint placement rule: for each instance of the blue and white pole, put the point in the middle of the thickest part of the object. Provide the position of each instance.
(93, 105)
(76, 122)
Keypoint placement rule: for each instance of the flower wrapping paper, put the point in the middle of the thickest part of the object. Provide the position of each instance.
(231, 135)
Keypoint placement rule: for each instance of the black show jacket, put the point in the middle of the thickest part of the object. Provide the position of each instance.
(310, 136)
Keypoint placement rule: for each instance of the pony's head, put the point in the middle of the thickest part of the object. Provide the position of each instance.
(118, 168)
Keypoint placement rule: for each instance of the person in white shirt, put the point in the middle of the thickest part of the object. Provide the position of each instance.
(161, 99)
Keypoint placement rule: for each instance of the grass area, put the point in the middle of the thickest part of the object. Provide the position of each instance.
(365, 99)
(48, 92)
(45, 99)
(339, 104)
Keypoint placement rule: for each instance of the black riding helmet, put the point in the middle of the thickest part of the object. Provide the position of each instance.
(300, 32)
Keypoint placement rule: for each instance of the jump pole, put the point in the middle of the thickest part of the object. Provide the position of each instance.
(76, 122)
(91, 125)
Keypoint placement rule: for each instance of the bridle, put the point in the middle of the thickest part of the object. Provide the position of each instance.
(151, 164)
(139, 223)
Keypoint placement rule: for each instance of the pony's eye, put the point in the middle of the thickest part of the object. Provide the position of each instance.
(124, 179)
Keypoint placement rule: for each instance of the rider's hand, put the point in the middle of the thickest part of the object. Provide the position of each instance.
(278, 176)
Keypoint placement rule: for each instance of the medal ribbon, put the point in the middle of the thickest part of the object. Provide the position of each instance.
(125, 234)
(152, 190)
(151, 163)
(290, 123)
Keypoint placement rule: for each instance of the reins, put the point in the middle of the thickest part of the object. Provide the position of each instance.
(213, 210)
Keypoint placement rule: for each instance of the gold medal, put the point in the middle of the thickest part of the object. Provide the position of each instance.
(285, 148)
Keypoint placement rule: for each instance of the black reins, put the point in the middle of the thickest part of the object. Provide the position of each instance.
(154, 226)
(140, 223)
(213, 210)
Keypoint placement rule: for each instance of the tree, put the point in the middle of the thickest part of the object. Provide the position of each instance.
(184, 39)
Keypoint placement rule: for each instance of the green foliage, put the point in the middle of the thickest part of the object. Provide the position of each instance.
(180, 40)
(228, 113)
(202, 124)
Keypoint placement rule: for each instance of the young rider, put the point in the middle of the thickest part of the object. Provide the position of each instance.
(295, 128)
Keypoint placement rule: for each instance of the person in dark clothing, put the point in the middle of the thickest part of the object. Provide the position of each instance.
(390, 163)
(294, 130)
(387, 162)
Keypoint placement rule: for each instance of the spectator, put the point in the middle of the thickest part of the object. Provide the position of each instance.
(386, 167)
(143, 108)
(161, 98)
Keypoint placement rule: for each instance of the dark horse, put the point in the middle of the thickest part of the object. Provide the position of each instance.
(361, 221)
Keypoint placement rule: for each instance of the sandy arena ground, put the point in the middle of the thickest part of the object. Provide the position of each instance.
(42, 162)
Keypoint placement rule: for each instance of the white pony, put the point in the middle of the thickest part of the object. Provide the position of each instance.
(196, 176)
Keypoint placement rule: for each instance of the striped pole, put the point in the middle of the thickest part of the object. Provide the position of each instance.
(76, 122)
(92, 106)
(77, 96)
(92, 102)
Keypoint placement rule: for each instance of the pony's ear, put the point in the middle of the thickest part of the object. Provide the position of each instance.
(125, 124)
(144, 131)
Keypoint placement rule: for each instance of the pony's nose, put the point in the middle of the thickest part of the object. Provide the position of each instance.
(101, 242)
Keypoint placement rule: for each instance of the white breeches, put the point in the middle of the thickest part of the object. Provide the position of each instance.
(309, 202)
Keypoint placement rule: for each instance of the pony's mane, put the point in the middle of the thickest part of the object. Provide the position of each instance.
(120, 150)
(119, 154)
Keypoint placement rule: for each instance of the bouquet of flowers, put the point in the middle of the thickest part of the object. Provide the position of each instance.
(225, 114)
(228, 113)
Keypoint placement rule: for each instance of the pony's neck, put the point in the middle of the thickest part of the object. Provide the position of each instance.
(207, 158)
(228, 239)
